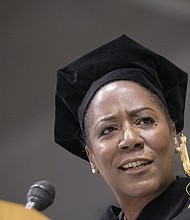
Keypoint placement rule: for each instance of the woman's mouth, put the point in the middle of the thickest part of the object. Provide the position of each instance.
(135, 165)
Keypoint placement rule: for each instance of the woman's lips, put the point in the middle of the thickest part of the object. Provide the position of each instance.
(135, 165)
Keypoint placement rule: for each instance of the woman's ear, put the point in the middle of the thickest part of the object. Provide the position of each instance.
(174, 135)
(176, 141)
(88, 153)
(174, 129)
(90, 157)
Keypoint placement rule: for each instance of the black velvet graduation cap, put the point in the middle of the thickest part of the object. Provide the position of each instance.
(120, 59)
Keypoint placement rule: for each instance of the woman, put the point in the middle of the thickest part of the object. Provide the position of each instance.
(122, 106)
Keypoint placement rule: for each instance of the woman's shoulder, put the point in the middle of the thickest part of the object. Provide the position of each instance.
(185, 215)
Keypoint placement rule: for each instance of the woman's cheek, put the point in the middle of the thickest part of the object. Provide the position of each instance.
(159, 140)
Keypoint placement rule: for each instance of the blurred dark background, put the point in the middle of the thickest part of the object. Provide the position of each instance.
(36, 39)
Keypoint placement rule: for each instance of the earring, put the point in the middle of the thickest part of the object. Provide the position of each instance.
(184, 154)
(94, 169)
(177, 149)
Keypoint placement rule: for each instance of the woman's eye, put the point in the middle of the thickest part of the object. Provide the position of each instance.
(108, 130)
(146, 121)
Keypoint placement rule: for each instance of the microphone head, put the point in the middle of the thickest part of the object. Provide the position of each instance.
(40, 195)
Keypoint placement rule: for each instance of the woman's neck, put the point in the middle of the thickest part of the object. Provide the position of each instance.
(133, 209)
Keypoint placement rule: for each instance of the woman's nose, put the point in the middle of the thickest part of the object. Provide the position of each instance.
(130, 139)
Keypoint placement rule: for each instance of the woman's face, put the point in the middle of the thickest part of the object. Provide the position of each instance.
(132, 144)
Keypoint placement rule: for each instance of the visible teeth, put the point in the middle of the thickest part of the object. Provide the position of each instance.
(135, 164)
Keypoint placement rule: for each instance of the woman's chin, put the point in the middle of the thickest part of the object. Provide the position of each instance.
(141, 189)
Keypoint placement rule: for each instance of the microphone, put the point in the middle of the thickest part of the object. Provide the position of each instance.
(40, 195)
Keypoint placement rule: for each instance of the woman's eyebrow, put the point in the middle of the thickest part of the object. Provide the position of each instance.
(106, 118)
(135, 111)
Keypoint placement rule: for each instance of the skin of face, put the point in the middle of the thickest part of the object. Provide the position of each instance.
(126, 129)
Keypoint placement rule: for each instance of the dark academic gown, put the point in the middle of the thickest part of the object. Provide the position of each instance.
(173, 204)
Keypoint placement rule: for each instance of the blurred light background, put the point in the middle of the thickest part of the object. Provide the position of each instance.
(36, 39)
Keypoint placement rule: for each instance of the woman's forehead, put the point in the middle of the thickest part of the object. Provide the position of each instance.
(119, 87)
(120, 93)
